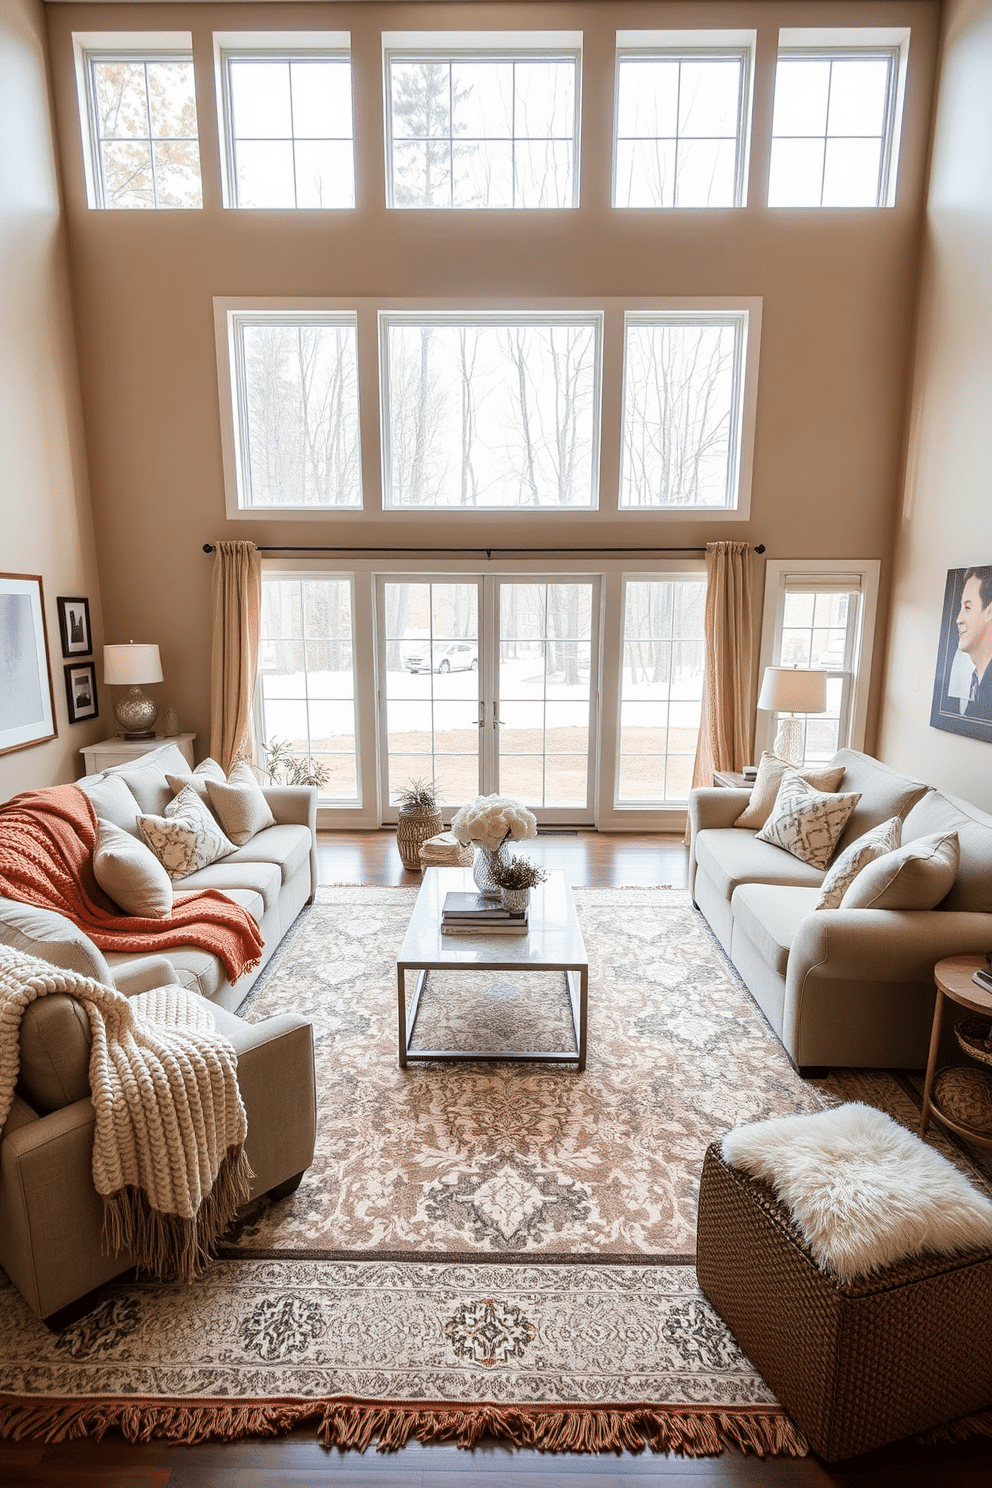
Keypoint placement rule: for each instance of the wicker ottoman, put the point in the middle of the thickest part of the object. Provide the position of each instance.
(855, 1365)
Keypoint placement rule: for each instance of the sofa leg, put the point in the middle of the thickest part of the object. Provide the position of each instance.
(283, 1190)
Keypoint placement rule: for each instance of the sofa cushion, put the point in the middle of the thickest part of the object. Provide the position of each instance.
(130, 874)
(239, 805)
(187, 837)
(915, 876)
(729, 856)
(145, 776)
(55, 1053)
(770, 915)
(845, 869)
(43, 933)
(771, 770)
(972, 888)
(114, 800)
(883, 793)
(287, 844)
(198, 970)
(263, 878)
(207, 769)
(807, 822)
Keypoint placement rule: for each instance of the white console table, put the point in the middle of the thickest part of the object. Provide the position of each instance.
(119, 751)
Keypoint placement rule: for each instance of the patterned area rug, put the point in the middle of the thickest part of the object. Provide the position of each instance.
(501, 1249)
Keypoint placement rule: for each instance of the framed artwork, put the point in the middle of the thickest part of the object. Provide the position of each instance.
(80, 691)
(74, 626)
(27, 709)
(962, 685)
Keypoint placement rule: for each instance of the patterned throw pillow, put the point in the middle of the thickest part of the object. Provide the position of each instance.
(187, 837)
(807, 822)
(239, 804)
(875, 843)
(771, 770)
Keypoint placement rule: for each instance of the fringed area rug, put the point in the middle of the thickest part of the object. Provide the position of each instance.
(477, 1249)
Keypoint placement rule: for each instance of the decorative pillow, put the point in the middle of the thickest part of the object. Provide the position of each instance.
(130, 873)
(207, 769)
(880, 840)
(917, 876)
(864, 1191)
(187, 837)
(807, 822)
(771, 769)
(113, 801)
(239, 804)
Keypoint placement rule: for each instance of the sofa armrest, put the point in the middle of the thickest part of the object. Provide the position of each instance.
(145, 975)
(715, 807)
(885, 945)
(278, 1086)
(297, 804)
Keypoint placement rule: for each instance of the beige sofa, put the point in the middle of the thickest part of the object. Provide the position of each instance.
(840, 987)
(273, 876)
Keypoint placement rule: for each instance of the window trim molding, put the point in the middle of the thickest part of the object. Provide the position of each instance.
(689, 46)
(277, 46)
(777, 570)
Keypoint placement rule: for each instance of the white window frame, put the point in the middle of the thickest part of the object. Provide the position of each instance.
(492, 318)
(229, 315)
(747, 312)
(484, 46)
(689, 46)
(276, 46)
(844, 43)
(121, 46)
(864, 574)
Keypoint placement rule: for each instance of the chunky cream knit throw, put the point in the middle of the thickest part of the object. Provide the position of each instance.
(168, 1148)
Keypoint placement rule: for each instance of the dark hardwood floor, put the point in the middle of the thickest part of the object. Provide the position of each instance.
(296, 1461)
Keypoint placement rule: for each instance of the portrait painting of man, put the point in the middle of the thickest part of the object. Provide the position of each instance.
(962, 694)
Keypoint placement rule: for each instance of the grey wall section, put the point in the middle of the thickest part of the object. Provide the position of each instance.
(946, 516)
(838, 289)
(45, 520)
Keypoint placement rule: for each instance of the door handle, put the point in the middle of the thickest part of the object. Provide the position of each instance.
(482, 714)
(497, 721)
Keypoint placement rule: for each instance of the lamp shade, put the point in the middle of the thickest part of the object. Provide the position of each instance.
(131, 665)
(793, 690)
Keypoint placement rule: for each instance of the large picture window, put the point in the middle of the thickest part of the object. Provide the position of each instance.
(485, 411)
(472, 127)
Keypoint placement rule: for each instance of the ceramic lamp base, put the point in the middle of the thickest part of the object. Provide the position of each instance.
(789, 740)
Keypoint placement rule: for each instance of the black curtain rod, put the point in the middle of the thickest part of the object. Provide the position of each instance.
(630, 548)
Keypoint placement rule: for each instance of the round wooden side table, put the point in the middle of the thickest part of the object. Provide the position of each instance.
(954, 983)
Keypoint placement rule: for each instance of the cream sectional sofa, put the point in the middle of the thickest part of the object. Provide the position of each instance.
(272, 876)
(840, 987)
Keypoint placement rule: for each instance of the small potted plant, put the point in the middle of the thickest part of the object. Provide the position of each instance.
(419, 819)
(515, 877)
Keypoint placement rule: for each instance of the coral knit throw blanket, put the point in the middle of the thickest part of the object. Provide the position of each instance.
(168, 1147)
(46, 859)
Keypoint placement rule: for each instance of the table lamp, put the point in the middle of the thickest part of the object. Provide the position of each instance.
(788, 691)
(131, 666)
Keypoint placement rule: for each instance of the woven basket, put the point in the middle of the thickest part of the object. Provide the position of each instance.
(965, 1095)
(975, 1037)
(413, 828)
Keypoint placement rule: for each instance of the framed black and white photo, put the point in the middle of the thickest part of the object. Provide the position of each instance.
(962, 686)
(27, 709)
(80, 691)
(74, 626)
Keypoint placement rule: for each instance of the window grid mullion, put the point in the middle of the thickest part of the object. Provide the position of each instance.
(151, 142)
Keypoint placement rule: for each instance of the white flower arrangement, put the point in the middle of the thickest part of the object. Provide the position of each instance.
(490, 820)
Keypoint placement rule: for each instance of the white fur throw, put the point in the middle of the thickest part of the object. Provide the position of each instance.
(863, 1190)
(168, 1148)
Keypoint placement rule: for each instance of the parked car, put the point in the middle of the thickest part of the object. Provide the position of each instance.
(444, 656)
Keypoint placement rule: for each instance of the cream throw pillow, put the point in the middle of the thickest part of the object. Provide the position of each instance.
(208, 769)
(917, 876)
(187, 837)
(807, 822)
(873, 844)
(239, 804)
(129, 873)
(771, 769)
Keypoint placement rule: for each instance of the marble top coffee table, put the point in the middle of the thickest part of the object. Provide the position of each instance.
(553, 943)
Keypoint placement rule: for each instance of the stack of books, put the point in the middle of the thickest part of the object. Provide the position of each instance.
(474, 914)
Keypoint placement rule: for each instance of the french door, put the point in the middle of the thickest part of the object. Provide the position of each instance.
(490, 683)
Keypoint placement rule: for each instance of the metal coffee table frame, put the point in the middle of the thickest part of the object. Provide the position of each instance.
(554, 943)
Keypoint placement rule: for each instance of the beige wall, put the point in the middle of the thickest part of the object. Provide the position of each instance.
(838, 292)
(946, 517)
(45, 525)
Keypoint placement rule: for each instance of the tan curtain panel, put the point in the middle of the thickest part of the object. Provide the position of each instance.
(726, 723)
(237, 607)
